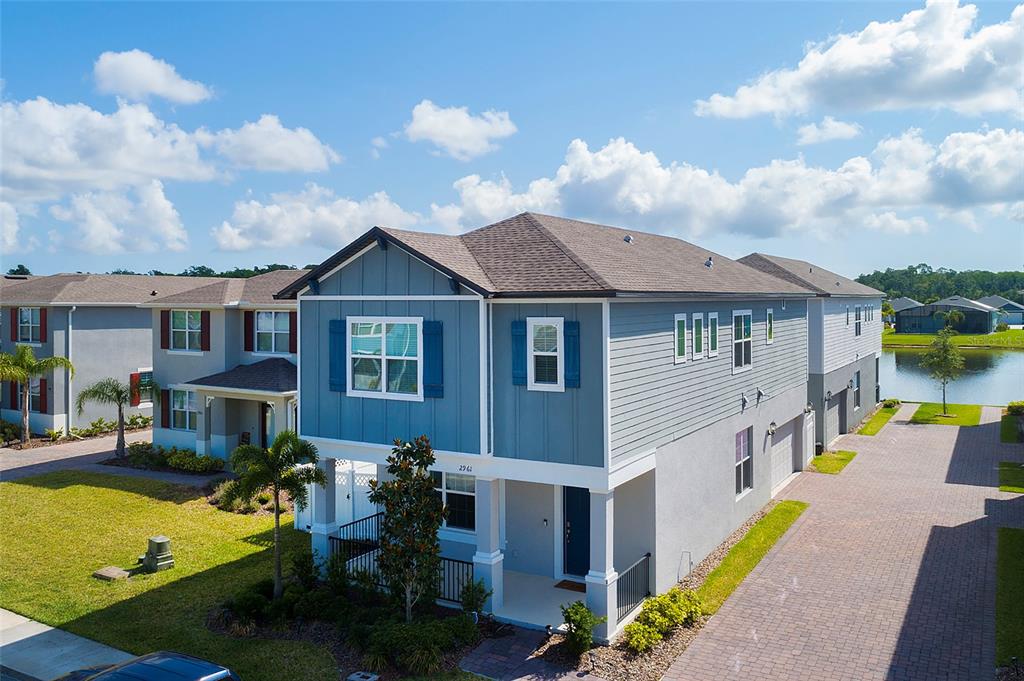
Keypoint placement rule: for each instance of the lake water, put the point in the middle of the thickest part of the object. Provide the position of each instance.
(990, 377)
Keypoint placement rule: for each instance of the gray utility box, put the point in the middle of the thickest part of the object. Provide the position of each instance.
(158, 555)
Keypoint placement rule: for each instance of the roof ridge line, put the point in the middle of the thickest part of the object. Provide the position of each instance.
(780, 272)
(599, 280)
(465, 244)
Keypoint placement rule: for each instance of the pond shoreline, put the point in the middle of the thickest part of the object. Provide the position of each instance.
(990, 376)
(962, 347)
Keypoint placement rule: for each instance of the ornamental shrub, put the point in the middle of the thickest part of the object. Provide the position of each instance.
(1002, 326)
(660, 615)
(474, 594)
(580, 622)
(304, 569)
(891, 402)
(187, 460)
(640, 637)
(1015, 408)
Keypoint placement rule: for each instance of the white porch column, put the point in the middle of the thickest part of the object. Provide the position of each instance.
(601, 588)
(487, 562)
(323, 511)
(204, 423)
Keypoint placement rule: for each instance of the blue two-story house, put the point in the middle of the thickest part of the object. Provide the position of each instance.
(606, 405)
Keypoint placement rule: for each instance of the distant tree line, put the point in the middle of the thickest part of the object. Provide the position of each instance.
(205, 271)
(926, 285)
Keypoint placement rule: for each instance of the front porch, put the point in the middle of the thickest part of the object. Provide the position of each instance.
(249, 404)
(536, 546)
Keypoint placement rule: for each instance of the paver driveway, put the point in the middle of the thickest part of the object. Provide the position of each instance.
(889, 574)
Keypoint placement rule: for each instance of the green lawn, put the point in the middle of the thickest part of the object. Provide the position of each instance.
(832, 462)
(1009, 595)
(1011, 477)
(958, 414)
(877, 420)
(60, 527)
(1014, 338)
(1008, 429)
(747, 553)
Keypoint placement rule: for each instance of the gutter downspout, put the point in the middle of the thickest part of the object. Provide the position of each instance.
(67, 373)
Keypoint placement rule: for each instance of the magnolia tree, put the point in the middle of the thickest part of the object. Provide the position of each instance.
(944, 361)
(409, 559)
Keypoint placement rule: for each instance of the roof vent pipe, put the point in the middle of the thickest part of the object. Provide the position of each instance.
(709, 263)
(628, 238)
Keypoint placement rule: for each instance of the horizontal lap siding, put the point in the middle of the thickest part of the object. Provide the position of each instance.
(557, 427)
(453, 422)
(841, 346)
(655, 401)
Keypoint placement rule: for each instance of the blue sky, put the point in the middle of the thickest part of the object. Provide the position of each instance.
(159, 135)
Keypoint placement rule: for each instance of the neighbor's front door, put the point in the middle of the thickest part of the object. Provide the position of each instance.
(576, 509)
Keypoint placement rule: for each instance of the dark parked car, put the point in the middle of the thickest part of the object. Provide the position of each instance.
(162, 666)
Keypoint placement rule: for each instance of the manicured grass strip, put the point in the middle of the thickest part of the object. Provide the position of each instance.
(832, 462)
(877, 420)
(959, 414)
(1009, 595)
(747, 553)
(1011, 477)
(1013, 338)
(1008, 429)
(60, 527)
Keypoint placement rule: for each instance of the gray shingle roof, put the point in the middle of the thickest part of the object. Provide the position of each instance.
(275, 375)
(903, 303)
(1000, 302)
(224, 291)
(960, 301)
(110, 289)
(541, 255)
(809, 275)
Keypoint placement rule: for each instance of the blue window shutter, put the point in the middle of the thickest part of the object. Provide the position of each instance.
(519, 352)
(338, 352)
(433, 359)
(572, 354)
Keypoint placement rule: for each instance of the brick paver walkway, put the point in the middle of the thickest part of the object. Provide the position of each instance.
(889, 574)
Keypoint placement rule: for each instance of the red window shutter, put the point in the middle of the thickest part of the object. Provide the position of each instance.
(165, 329)
(13, 394)
(204, 330)
(249, 329)
(14, 324)
(43, 403)
(165, 408)
(133, 383)
(42, 328)
(293, 332)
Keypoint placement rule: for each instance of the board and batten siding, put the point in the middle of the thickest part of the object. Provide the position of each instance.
(451, 422)
(655, 401)
(839, 345)
(555, 427)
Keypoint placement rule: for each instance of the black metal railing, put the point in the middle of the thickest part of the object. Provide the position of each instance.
(359, 541)
(633, 586)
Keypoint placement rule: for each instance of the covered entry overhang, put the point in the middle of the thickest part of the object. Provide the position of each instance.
(248, 404)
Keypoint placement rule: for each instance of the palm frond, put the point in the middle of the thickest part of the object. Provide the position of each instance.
(105, 391)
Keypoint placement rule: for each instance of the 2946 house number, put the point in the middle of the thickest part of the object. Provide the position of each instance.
(464, 468)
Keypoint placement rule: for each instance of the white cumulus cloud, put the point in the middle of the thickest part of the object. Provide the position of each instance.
(268, 145)
(886, 190)
(118, 222)
(930, 58)
(829, 129)
(137, 75)
(314, 215)
(456, 132)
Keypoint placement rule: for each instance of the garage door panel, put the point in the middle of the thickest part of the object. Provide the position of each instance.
(783, 442)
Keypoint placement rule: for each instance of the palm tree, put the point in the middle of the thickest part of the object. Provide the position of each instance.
(22, 366)
(109, 391)
(282, 467)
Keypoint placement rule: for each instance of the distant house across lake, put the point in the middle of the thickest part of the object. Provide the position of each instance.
(1012, 312)
(977, 317)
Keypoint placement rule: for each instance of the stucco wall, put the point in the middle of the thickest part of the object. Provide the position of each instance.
(837, 381)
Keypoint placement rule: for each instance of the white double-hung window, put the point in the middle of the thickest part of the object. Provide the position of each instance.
(712, 334)
(184, 410)
(458, 493)
(186, 328)
(272, 332)
(28, 325)
(742, 350)
(680, 338)
(385, 357)
(545, 368)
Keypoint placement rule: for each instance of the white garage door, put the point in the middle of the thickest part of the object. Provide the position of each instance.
(831, 420)
(782, 455)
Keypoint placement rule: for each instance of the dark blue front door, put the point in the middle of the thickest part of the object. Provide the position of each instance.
(576, 507)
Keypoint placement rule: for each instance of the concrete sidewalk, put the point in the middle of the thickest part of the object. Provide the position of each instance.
(36, 651)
